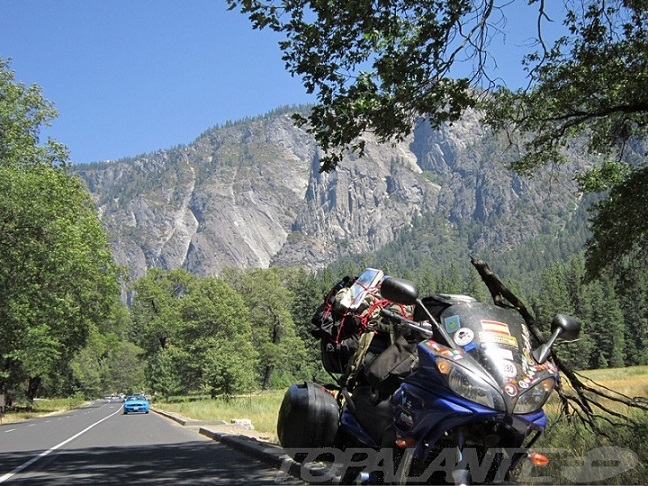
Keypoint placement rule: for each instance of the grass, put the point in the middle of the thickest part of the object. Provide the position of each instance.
(41, 407)
(631, 382)
(261, 408)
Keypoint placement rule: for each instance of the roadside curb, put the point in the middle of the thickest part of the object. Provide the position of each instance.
(274, 456)
(271, 454)
(184, 421)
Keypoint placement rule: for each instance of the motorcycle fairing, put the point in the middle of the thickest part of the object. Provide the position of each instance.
(492, 345)
(495, 344)
(427, 414)
(351, 428)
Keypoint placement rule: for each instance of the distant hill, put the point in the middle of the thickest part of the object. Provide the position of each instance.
(249, 194)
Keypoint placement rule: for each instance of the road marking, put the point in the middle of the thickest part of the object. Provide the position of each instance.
(9, 475)
(10, 430)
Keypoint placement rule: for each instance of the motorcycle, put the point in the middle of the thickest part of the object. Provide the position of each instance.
(468, 412)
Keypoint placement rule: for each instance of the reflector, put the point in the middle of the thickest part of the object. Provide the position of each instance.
(538, 459)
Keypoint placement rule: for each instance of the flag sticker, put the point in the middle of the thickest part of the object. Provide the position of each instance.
(494, 326)
(498, 338)
(452, 323)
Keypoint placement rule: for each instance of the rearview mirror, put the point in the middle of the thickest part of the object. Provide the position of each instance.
(564, 326)
(570, 326)
(399, 290)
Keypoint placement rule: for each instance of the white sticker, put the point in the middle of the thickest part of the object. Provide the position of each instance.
(464, 336)
(496, 352)
(508, 369)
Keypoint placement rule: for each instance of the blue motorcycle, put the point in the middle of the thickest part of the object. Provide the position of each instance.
(467, 410)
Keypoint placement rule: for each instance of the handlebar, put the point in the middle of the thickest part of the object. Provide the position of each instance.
(424, 326)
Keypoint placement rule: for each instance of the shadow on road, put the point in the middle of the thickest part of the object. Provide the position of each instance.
(187, 463)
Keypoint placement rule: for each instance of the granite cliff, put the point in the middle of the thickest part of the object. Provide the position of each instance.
(250, 194)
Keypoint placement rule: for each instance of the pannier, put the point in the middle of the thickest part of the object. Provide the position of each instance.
(308, 417)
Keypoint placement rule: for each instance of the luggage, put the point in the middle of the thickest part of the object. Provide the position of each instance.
(308, 417)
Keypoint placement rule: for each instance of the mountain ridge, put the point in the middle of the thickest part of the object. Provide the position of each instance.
(250, 195)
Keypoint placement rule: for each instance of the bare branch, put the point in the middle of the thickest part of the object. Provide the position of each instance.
(581, 405)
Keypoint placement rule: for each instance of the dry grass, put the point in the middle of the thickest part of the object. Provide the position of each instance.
(40, 408)
(632, 381)
(261, 408)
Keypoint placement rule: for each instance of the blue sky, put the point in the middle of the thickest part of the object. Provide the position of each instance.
(133, 76)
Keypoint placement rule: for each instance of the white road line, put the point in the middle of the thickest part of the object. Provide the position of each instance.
(9, 475)
(10, 430)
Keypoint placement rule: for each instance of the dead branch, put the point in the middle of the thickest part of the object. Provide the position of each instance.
(587, 408)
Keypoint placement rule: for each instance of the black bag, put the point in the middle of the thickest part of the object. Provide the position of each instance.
(308, 417)
(386, 372)
(338, 337)
(337, 332)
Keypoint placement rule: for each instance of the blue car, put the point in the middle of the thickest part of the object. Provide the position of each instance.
(136, 403)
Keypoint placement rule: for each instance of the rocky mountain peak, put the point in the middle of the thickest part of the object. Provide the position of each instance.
(250, 195)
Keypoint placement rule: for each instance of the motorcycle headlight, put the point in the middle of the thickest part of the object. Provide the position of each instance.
(534, 398)
(470, 386)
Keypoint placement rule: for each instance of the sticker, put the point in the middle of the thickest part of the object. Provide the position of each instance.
(433, 345)
(452, 323)
(495, 337)
(524, 383)
(451, 353)
(497, 352)
(528, 364)
(443, 350)
(546, 366)
(508, 369)
(526, 338)
(510, 389)
(469, 347)
(494, 326)
(464, 336)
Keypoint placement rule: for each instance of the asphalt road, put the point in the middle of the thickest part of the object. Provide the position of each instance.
(99, 445)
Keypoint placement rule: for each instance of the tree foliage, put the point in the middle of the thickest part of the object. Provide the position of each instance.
(23, 112)
(269, 301)
(591, 82)
(195, 332)
(620, 226)
(374, 66)
(58, 280)
(57, 275)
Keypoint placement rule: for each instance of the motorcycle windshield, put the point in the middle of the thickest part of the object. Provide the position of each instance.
(498, 340)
